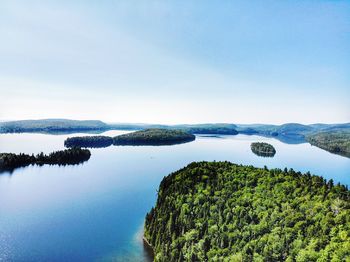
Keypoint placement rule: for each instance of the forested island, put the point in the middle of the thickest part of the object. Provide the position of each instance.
(263, 149)
(88, 141)
(334, 142)
(152, 136)
(219, 211)
(72, 156)
(155, 136)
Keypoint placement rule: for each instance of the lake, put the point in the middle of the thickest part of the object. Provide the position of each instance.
(95, 211)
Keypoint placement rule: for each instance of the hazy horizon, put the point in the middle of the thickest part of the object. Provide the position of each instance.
(173, 62)
(164, 123)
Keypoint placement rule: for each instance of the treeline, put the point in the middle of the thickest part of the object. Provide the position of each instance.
(219, 211)
(334, 142)
(88, 141)
(263, 149)
(10, 161)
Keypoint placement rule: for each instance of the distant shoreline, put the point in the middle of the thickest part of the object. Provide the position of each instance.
(290, 133)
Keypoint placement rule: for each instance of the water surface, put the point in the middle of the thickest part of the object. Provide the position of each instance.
(95, 211)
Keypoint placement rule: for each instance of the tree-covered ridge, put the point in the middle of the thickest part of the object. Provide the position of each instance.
(51, 126)
(155, 136)
(263, 149)
(10, 161)
(209, 129)
(334, 142)
(219, 211)
(88, 141)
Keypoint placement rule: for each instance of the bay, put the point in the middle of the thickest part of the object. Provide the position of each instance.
(95, 211)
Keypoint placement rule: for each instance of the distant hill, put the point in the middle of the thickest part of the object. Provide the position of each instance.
(294, 128)
(290, 132)
(51, 125)
(327, 127)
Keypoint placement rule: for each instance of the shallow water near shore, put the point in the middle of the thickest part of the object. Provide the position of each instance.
(95, 211)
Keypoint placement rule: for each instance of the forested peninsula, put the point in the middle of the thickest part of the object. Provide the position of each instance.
(72, 156)
(219, 211)
(263, 149)
(334, 142)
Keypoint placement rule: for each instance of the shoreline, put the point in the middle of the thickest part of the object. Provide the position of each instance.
(148, 246)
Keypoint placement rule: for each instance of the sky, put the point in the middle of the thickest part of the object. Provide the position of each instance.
(176, 61)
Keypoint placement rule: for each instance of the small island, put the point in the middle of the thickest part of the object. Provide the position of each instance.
(263, 149)
(88, 141)
(72, 156)
(220, 211)
(154, 137)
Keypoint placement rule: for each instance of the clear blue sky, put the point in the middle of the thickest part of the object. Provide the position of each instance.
(176, 61)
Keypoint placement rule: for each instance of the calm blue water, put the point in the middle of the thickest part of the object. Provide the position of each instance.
(95, 211)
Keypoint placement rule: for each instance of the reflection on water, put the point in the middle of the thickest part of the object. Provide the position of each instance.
(95, 211)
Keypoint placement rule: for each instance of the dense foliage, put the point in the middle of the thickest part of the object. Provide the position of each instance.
(335, 142)
(9, 161)
(88, 141)
(154, 136)
(263, 149)
(219, 211)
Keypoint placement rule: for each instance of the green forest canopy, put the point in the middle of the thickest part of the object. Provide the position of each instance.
(335, 142)
(219, 211)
